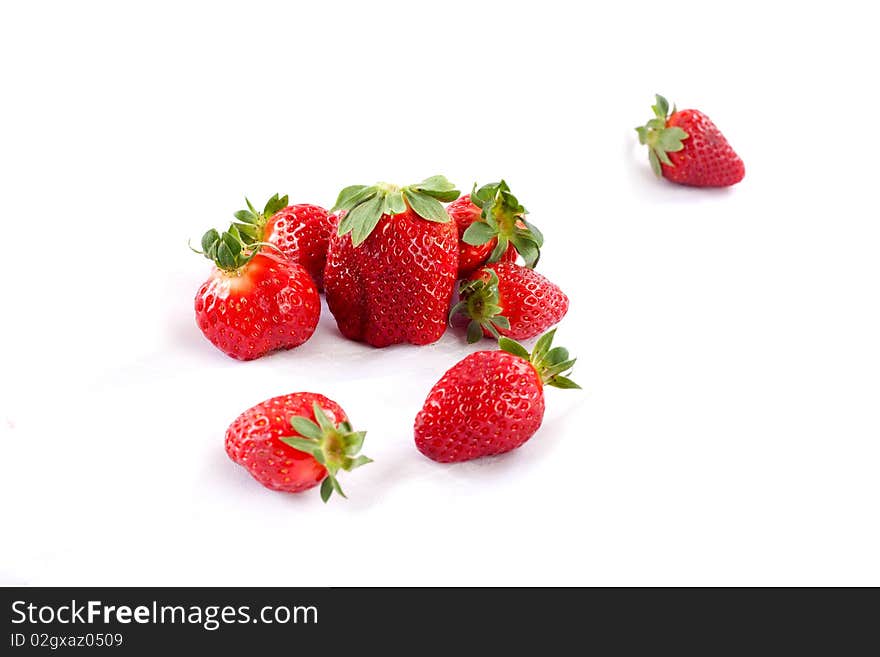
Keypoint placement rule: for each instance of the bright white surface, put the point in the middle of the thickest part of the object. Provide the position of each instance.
(729, 341)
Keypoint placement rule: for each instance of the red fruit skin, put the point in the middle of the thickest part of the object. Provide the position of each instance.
(252, 440)
(489, 403)
(531, 302)
(471, 258)
(706, 160)
(397, 285)
(270, 303)
(302, 232)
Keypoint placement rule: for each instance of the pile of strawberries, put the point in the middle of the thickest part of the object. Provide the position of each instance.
(387, 259)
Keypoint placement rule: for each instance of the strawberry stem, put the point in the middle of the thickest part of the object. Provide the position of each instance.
(660, 139)
(552, 364)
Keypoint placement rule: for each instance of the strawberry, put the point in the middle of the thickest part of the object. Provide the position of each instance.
(504, 298)
(491, 402)
(294, 442)
(300, 232)
(391, 264)
(492, 228)
(686, 148)
(255, 301)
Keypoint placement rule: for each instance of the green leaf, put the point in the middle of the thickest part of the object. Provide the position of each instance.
(542, 346)
(250, 206)
(394, 204)
(655, 163)
(335, 483)
(225, 258)
(513, 347)
(246, 217)
(563, 382)
(248, 232)
(444, 197)
(661, 109)
(305, 427)
(364, 219)
(301, 444)
(351, 196)
(209, 239)
(527, 249)
(478, 233)
(359, 461)
(559, 368)
(232, 242)
(274, 204)
(326, 489)
(435, 184)
(323, 421)
(499, 250)
(661, 154)
(537, 235)
(474, 331)
(426, 207)
(670, 139)
(556, 355)
(354, 441)
(501, 322)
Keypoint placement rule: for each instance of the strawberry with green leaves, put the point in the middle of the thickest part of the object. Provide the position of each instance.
(491, 401)
(492, 228)
(255, 300)
(392, 262)
(685, 147)
(506, 299)
(294, 442)
(301, 232)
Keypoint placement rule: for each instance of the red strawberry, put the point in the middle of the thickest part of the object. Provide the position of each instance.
(254, 301)
(491, 402)
(391, 265)
(294, 442)
(300, 232)
(504, 298)
(686, 148)
(471, 258)
(498, 233)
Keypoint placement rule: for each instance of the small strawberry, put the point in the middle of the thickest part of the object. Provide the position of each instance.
(506, 299)
(492, 228)
(294, 442)
(470, 258)
(255, 301)
(391, 264)
(686, 148)
(491, 402)
(300, 232)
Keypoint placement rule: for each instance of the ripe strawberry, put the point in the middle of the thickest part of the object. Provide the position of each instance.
(686, 148)
(506, 299)
(491, 402)
(255, 301)
(300, 232)
(294, 442)
(391, 265)
(492, 228)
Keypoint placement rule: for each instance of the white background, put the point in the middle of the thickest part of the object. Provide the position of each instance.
(728, 341)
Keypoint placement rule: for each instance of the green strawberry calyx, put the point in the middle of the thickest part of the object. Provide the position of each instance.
(250, 222)
(364, 205)
(229, 250)
(479, 300)
(659, 138)
(552, 364)
(335, 446)
(503, 218)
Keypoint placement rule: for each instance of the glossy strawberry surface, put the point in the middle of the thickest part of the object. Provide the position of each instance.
(302, 232)
(253, 441)
(530, 302)
(489, 403)
(267, 304)
(706, 160)
(396, 286)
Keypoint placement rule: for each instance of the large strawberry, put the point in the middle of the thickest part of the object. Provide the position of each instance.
(685, 147)
(506, 299)
(491, 402)
(391, 264)
(294, 442)
(492, 228)
(255, 300)
(300, 232)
